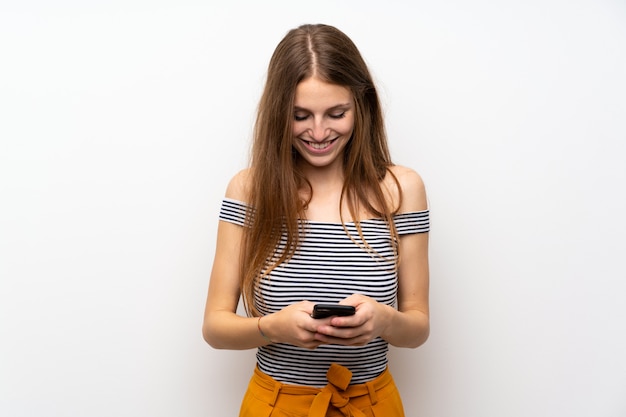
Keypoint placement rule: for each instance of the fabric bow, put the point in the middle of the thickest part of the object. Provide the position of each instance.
(339, 378)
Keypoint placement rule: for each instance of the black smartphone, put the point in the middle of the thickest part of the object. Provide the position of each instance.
(321, 311)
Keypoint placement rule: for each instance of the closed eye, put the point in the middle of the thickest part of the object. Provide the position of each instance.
(336, 113)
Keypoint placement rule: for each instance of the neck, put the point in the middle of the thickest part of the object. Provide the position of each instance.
(324, 177)
(326, 185)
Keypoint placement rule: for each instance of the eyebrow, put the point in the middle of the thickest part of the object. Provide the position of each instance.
(343, 106)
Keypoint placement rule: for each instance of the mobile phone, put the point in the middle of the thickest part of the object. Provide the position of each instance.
(321, 311)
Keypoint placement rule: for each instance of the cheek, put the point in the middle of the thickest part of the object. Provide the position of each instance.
(348, 127)
(297, 130)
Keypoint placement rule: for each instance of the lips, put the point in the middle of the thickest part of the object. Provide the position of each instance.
(319, 147)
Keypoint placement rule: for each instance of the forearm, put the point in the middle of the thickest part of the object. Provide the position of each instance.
(228, 330)
(408, 329)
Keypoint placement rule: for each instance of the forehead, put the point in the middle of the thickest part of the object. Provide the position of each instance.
(315, 94)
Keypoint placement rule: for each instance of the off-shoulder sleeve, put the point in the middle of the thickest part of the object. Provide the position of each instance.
(234, 211)
(412, 222)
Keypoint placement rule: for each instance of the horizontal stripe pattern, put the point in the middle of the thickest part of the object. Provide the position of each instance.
(328, 266)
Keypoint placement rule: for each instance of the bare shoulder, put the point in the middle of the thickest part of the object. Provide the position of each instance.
(239, 186)
(412, 189)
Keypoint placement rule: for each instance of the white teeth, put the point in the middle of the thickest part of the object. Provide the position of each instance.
(317, 145)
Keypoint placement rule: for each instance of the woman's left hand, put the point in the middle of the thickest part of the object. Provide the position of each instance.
(370, 321)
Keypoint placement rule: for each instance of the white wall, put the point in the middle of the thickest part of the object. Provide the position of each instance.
(121, 123)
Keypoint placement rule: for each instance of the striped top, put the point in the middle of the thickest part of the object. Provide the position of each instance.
(328, 266)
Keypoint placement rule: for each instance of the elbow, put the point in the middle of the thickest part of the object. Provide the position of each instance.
(206, 335)
(417, 338)
(414, 342)
(423, 333)
(420, 338)
(218, 330)
(210, 337)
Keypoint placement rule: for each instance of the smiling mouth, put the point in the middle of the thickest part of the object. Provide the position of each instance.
(320, 146)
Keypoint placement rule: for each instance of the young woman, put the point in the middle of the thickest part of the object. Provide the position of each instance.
(321, 216)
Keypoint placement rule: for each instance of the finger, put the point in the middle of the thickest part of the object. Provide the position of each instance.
(339, 332)
(354, 299)
(346, 321)
(315, 324)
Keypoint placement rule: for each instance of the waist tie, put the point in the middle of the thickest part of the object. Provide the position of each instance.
(335, 393)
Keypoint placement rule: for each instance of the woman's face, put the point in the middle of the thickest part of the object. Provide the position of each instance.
(323, 122)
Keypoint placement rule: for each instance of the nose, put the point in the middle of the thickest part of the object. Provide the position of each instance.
(319, 132)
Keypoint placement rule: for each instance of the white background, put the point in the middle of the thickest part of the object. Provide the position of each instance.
(121, 123)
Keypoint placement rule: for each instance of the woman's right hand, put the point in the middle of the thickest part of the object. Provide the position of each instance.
(293, 325)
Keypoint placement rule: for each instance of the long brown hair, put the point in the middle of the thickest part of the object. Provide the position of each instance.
(276, 205)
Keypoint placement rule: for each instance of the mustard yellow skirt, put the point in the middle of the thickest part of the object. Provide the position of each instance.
(267, 397)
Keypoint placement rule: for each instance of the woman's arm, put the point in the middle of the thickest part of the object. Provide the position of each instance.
(223, 328)
(409, 326)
